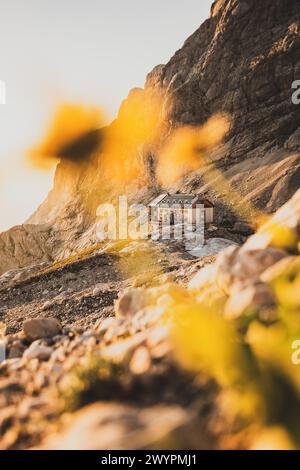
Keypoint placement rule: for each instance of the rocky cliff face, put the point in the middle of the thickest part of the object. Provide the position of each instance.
(241, 61)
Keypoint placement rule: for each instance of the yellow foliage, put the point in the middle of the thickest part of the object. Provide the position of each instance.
(70, 122)
(205, 341)
(287, 291)
(279, 235)
(273, 438)
(271, 344)
(187, 146)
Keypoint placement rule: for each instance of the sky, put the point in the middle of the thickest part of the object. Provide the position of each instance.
(87, 51)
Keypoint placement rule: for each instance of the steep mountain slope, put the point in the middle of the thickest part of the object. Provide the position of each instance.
(97, 354)
(241, 61)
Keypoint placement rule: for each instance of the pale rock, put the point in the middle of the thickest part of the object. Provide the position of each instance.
(167, 278)
(154, 293)
(157, 335)
(36, 351)
(46, 305)
(33, 364)
(14, 364)
(130, 302)
(211, 247)
(88, 334)
(19, 277)
(168, 293)
(287, 217)
(161, 350)
(60, 297)
(165, 300)
(147, 317)
(204, 278)
(283, 267)
(212, 296)
(98, 289)
(40, 379)
(245, 266)
(140, 361)
(117, 351)
(223, 265)
(246, 298)
(29, 405)
(119, 329)
(58, 355)
(108, 425)
(103, 325)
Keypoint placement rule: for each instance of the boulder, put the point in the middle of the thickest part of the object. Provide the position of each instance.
(282, 230)
(41, 328)
(245, 267)
(108, 426)
(140, 361)
(288, 266)
(203, 278)
(130, 302)
(211, 247)
(248, 298)
(243, 228)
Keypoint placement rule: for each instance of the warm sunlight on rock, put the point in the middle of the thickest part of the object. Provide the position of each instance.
(138, 126)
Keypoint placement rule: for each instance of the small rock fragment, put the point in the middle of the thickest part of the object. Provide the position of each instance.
(46, 305)
(140, 361)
